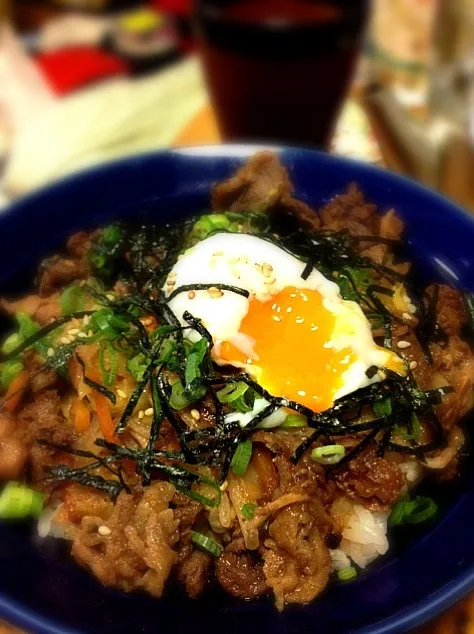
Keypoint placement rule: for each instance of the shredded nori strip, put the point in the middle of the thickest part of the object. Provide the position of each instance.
(204, 287)
(307, 270)
(94, 385)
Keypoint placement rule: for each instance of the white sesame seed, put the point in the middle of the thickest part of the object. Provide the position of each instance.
(224, 486)
(406, 316)
(149, 411)
(413, 365)
(191, 295)
(195, 414)
(50, 352)
(104, 531)
(71, 338)
(64, 340)
(412, 308)
(85, 320)
(90, 333)
(215, 292)
(82, 283)
(382, 375)
(267, 266)
(275, 318)
(81, 334)
(141, 414)
(299, 320)
(269, 281)
(110, 297)
(73, 331)
(121, 394)
(172, 275)
(258, 267)
(403, 344)
(301, 393)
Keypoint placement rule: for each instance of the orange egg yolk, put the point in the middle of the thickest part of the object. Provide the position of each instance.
(293, 356)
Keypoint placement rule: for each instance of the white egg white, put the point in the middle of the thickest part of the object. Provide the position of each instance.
(264, 269)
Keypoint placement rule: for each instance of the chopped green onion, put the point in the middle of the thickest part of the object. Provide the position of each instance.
(330, 454)
(9, 371)
(137, 365)
(72, 300)
(11, 342)
(27, 326)
(112, 234)
(178, 398)
(294, 420)
(415, 511)
(248, 510)
(108, 323)
(347, 574)
(108, 374)
(18, 501)
(383, 408)
(231, 392)
(238, 395)
(414, 429)
(241, 458)
(194, 360)
(207, 544)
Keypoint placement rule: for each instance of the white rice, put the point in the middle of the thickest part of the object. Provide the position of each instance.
(339, 559)
(364, 535)
(47, 527)
(412, 470)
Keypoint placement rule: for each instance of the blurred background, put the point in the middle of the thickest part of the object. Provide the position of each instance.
(387, 81)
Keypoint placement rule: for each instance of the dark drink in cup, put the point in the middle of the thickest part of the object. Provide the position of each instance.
(278, 70)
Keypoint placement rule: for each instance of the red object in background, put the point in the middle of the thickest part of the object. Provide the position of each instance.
(180, 8)
(71, 69)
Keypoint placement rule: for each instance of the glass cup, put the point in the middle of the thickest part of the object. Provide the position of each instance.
(278, 70)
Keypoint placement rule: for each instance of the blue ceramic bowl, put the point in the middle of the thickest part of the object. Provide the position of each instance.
(42, 590)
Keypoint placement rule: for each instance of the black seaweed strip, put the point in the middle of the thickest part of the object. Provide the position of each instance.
(94, 385)
(204, 287)
(307, 270)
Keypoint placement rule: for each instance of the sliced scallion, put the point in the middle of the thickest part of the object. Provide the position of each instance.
(9, 371)
(415, 511)
(383, 408)
(18, 501)
(294, 420)
(231, 392)
(248, 510)
(330, 454)
(207, 544)
(241, 458)
(347, 574)
(72, 300)
(11, 342)
(178, 399)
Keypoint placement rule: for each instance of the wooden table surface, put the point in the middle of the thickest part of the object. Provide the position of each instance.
(459, 619)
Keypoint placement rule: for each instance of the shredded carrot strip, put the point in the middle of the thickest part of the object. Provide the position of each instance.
(15, 392)
(81, 417)
(105, 418)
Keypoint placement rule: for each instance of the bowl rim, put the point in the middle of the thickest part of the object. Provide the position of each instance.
(426, 609)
